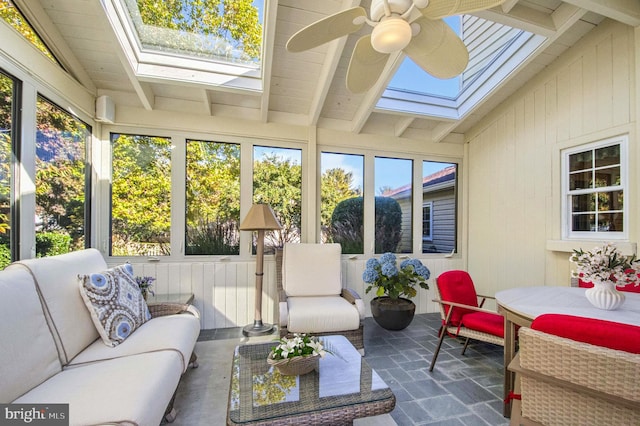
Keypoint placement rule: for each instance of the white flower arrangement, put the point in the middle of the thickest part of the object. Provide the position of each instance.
(299, 345)
(605, 264)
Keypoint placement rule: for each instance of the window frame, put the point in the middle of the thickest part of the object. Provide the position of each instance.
(567, 232)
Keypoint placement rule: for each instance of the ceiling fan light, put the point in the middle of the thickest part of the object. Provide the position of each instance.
(390, 35)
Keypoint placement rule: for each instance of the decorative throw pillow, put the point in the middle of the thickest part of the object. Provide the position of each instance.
(115, 302)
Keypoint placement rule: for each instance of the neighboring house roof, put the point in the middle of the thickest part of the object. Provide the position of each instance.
(432, 182)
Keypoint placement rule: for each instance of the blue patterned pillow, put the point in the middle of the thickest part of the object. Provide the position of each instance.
(115, 302)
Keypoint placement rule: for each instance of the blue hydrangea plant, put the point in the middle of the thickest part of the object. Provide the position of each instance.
(389, 280)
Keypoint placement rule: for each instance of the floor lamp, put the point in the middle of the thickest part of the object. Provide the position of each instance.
(260, 218)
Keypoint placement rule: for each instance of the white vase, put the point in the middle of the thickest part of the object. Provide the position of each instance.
(605, 296)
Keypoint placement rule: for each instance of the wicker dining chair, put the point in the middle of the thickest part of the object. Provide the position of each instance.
(462, 315)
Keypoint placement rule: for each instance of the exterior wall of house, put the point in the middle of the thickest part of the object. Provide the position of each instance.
(444, 223)
(514, 175)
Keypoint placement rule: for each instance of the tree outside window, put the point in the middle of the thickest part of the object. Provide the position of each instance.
(277, 181)
(61, 181)
(140, 195)
(6, 142)
(213, 198)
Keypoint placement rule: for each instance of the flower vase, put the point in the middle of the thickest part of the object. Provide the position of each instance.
(605, 296)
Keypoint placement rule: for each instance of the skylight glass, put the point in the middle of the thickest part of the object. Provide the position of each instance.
(227, 31)
(411, 77)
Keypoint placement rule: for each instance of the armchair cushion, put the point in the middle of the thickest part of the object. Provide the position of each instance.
(485, 322)
(311, 269)
(320, 314)
(608, 334)
(457, 286)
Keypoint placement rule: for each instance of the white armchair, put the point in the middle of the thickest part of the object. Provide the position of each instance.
(312, 299)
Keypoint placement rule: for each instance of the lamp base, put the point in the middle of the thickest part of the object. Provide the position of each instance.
(257, 329)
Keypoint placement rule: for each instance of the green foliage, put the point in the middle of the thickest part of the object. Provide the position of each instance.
(13, 17)
(278, 181)
(5, 253)
(214, 238)
(347, 225)
(52, 243)
(235, 21)
(141, 192)
(388, 225)
(335, 188)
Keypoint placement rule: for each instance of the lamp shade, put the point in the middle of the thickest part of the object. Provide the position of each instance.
(260, 216)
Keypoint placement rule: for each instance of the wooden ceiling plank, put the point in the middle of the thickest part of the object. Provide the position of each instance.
(625, 11)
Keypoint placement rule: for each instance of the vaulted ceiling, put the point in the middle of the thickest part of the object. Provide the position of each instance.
(308, 88)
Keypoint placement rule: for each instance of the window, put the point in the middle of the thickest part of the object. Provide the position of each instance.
(594, 190)
(7, 96)
(427, 221)
(213, 198)
(12, 16)
(277, 181)
(140, 195)
(439, 207)
(61, 181)
(341, 210)
(393, 201)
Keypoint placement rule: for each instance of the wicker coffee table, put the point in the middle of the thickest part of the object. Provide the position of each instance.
(343, 389)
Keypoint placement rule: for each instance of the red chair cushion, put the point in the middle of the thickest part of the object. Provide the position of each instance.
(457, 286)
(485, 322)
(608, 334)
(631, 288)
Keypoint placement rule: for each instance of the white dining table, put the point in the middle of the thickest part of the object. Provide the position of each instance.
(520, 306)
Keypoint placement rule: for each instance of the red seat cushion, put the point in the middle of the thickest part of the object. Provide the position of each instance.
(631, 288)
(608, 334)
(485, 322)
(457, 286)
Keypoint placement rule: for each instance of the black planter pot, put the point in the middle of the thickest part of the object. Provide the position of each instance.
(393, 314)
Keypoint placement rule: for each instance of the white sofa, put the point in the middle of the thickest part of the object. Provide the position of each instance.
(52, 353)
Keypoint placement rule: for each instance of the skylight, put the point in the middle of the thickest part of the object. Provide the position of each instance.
(199, 41)
(495, 51)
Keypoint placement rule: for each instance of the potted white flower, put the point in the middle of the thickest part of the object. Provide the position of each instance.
(606, 267)
(392, 308)
(297, 355)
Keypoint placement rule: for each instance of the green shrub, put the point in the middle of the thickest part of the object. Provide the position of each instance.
(5, 253)
(52, 243)
(347, 227)
(213, 238)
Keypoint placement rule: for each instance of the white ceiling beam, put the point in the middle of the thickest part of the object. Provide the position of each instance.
(625, 11)
(143, 90)
(270, 19)
(508, 5)
(402, 125)
(443, 130)
(522, 17)
(52, 38)
(370, 100)
(206, 99)
(328, 71)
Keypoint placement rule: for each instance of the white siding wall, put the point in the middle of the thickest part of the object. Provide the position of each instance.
(514, 159)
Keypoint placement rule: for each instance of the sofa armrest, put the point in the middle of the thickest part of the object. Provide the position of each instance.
(166, 308)
(354, 298)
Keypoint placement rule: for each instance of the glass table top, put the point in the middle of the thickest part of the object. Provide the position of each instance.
(343, 385)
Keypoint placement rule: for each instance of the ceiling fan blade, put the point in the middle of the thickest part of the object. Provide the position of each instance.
(327, 29)
(437, 49)
(365, 67)
(442, 8)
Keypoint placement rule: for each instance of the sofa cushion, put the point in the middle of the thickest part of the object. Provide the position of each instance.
(172, 332)
(321, 314)
(28, 354)
(57, 281)
(115, 303)
(608, 334)
(133, 390)
(311, 269)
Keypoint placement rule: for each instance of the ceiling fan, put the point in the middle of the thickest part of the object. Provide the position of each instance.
(413, 26)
